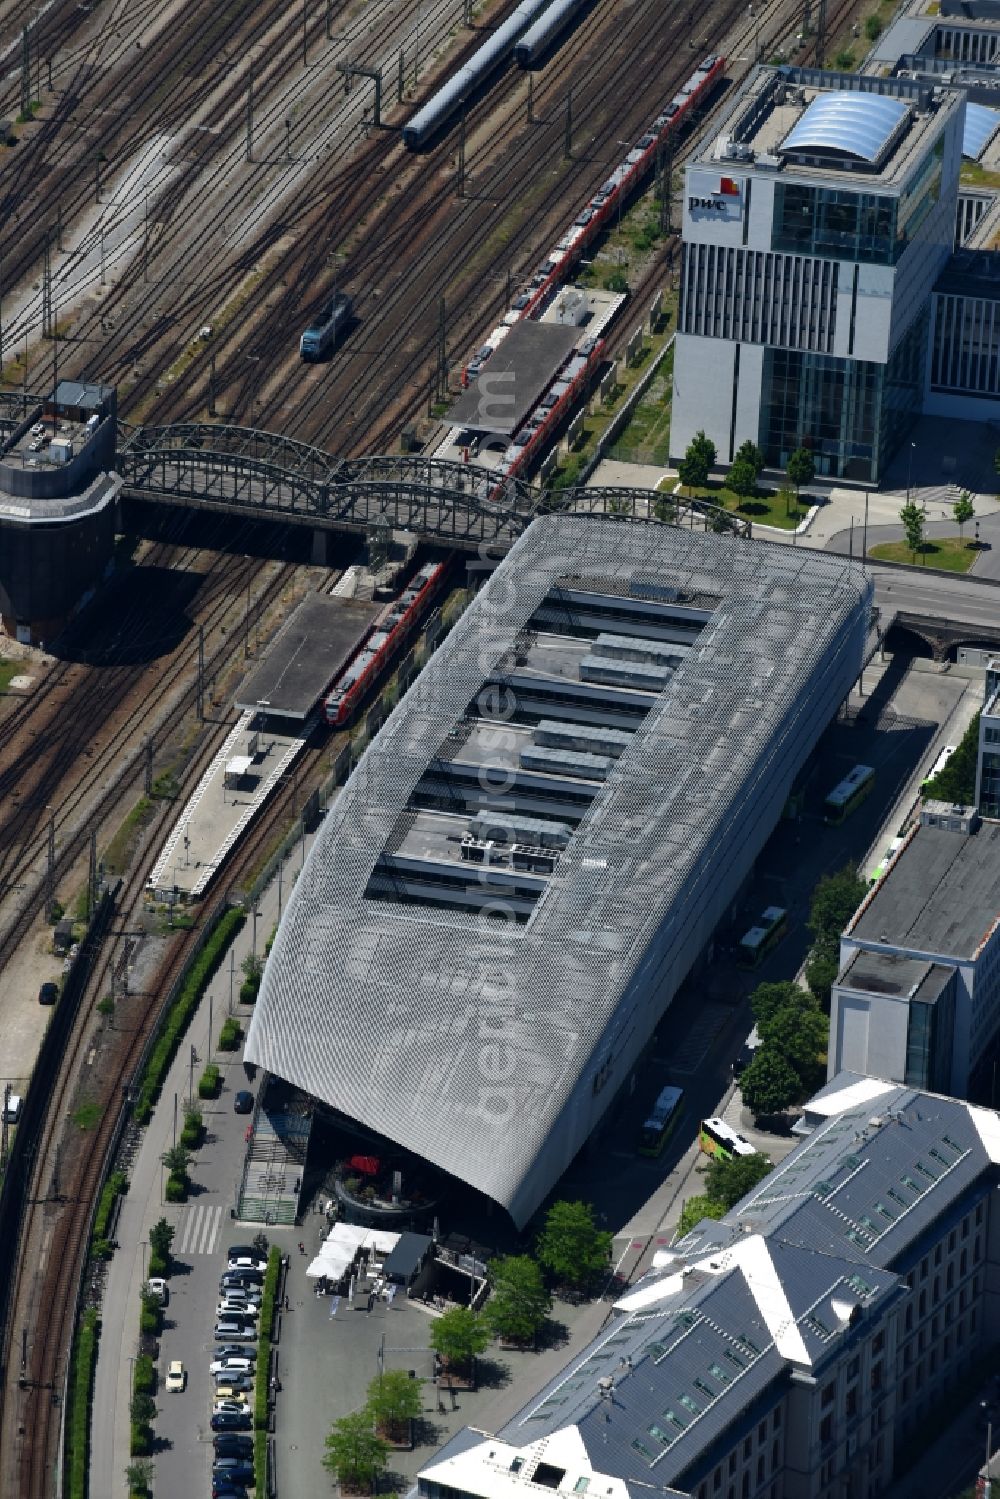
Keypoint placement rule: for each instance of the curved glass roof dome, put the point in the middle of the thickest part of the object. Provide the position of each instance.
(980, 124)
(858, 125)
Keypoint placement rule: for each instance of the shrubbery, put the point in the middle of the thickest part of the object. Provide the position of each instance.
(230, 1035)
(81, 1384)
(182, 1009)
(210, 1082)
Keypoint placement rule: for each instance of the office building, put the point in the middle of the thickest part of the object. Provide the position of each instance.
(538, 844)
(819, 213)
(791, 1350)
(988, 764)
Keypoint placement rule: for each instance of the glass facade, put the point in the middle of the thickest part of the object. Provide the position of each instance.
(827, 221)
(989, 784)
(850, 413)
(929, 1032)
(866, 228)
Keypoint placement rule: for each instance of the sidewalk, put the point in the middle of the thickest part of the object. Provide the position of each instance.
(219, 1159)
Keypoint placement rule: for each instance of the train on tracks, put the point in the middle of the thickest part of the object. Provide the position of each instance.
(390, 632)
(537, 41)
(484, 62)
(579, 369)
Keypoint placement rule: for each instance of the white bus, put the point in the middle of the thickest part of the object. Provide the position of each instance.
(716, 1137)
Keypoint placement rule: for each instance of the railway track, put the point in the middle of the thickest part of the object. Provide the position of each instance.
(89, 798)
(54, 1235)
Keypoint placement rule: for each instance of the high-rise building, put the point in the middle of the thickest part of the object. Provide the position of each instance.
(819, 212)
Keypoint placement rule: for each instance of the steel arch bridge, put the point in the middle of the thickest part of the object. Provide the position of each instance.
(266, 476)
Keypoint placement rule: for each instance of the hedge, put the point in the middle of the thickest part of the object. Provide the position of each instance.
(116, 1184)
(191, 1134)
(158, 1265)
(81, 1387)
(210, 1082)
(145, 1374)
(183, 1007)
(230, 1034)
(261, 1387)
(176, 1189)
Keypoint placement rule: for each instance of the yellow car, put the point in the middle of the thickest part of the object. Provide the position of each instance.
(176, 1376)
(230, 1392)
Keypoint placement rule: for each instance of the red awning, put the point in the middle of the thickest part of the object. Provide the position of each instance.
(368, 1165)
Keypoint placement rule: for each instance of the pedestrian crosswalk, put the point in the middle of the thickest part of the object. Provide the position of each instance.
(198, 1231)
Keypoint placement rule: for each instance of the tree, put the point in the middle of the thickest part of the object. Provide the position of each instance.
(519, 1302)
(767, 998)
(177, 1159)
(665, 509)
(963, 510)
(769, 1084)
(798, 1033)
(458, 1335)
(742, 478)
(749, 452)
(728, 1181)
(786, 496)
(161, 1236)
(873, 27)
(571, 1246)
(394, 1401)
(834, 901)
(913, 525)
(694, 1210)
(139, 1476)
(800, 468)
(957, 782)
(355, 1454)
(698, 462)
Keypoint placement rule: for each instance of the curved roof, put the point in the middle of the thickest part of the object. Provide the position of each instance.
(858, 125)
(980, 123)
(474, 1042)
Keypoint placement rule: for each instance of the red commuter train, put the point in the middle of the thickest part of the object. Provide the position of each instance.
(389, 634)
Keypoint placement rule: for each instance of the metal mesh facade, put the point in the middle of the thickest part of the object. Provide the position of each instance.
(492, 1048)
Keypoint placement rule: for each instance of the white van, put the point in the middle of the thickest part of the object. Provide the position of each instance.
(12, 1112)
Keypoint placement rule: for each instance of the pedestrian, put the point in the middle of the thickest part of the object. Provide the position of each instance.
(302, 1247)
(371, 1301)
(287, 1308)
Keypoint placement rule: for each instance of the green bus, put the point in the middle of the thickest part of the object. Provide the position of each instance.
(662, 1121)
(848, 794)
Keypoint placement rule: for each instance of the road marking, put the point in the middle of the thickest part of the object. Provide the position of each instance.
(199, 1233)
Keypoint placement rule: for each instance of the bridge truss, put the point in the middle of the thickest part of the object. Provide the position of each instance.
(276, 477)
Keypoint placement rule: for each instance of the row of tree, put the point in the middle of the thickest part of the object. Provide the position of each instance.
(957, 781)
(746, 468)
(791, 1021)
(914, 520)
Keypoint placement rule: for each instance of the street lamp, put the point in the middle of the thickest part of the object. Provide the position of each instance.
(909, 472)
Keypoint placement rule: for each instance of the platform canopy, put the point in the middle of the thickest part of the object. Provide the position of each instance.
(319, 639)
(514, 378)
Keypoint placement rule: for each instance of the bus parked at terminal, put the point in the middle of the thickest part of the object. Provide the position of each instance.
(848, 794)
(662, 1121)
(766, 932)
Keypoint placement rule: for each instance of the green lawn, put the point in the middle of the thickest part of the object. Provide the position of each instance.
(765, 509)
(948, 552)
(8, 669)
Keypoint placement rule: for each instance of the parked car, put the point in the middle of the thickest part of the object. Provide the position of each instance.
(243, 1102)
(245, 1309)
(231, 1364)
(242, 1278)
(230, 1421)
(48, 994)
(234, 1405)
(233, 1444)
(240, 1251)
(227, 1488)
(176, 1376)
(247, 1262)
(233, 1329)
(158, 1288)
(234, 1468)
(229, 1385)
(238, 1350)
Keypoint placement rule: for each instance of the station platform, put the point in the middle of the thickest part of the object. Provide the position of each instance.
(312, 646)
(257, 754)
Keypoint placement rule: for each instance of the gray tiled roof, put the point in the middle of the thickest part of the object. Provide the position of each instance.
(694, 1345)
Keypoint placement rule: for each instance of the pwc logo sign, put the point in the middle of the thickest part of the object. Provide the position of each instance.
(719, 197)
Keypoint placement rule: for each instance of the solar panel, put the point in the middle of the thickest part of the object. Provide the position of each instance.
(980, 123)
(859, 125)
